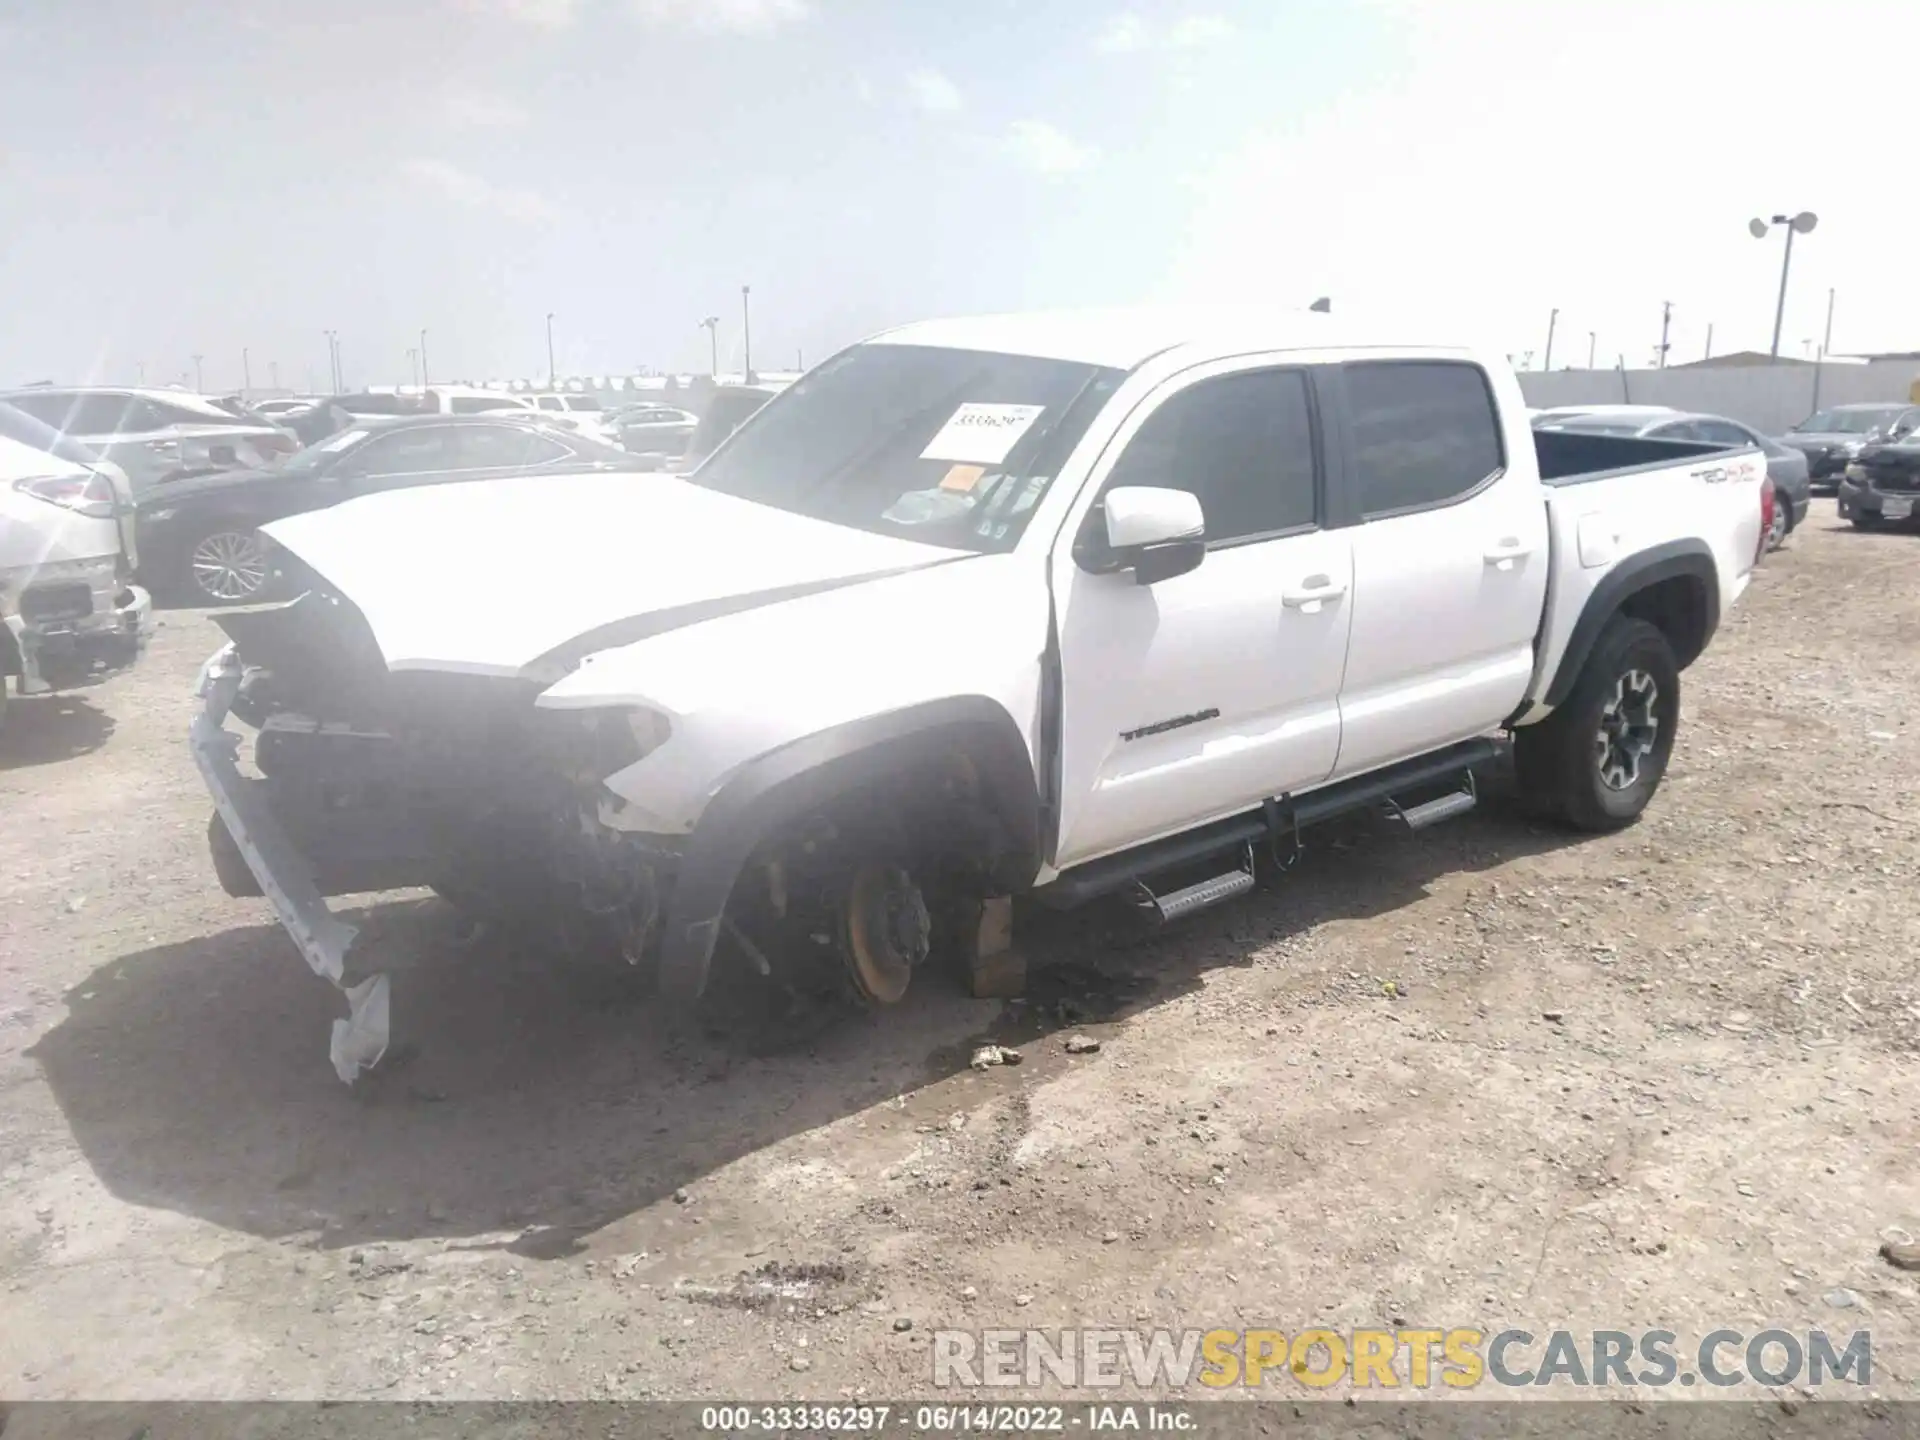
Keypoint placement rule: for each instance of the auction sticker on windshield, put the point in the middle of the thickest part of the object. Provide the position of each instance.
(981, 434)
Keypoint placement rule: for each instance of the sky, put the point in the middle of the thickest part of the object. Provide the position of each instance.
(197, 177)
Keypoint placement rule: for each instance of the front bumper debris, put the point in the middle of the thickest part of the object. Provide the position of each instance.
(359, 1041)
(65, 653)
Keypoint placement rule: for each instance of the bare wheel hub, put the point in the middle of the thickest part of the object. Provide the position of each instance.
(230, 564)
(1629, 729)
(888, 931)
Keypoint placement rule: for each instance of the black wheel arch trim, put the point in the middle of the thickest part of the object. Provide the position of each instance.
(786, 783)
(1676, 558)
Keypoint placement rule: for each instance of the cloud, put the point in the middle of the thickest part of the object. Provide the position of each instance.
(1047, 150)
(1190, 32)
(541, 14)
(933, 91)
(1124, 33)
(473, 110)
(1129, 33)
(465, 188)
(737, 17)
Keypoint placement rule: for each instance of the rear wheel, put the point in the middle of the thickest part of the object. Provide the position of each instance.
(1596, 762)
(1866, 519)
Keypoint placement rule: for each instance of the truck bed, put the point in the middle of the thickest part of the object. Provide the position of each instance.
(1573, 457)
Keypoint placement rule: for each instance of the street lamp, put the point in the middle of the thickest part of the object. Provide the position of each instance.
(712, 326)
(1593, 343)
(423, 359)
(746, 335)
(333, 358)
(553, 372)
(1552, 320)
(1795, 224)
(199, 383)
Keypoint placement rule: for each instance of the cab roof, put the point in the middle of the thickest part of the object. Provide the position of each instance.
(1125, 338)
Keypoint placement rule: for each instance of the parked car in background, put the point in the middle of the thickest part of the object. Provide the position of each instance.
(1566, 414)
(69, 615)
(581, 419)
(1882, 484)
(285, 405)
(1832, 438)
(728, 408)
(649, 429)
(200, 538)
(1787, 468)
(567, 401)
(469, 400)
(154, 434)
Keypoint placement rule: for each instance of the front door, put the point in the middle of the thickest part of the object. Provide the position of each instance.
(1200, 696)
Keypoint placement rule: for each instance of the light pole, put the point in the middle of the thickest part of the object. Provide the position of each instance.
(273, 373)
(1795, 224)
(1826, 349)
(746, 334)
(1666, 325)
(1709, 354)
(712, 326)
(553, 373)
(1593, 344)
(1552, 320)
(246, 373)
(423, 359)
(199, 382)
(413, 365)
(333, 359)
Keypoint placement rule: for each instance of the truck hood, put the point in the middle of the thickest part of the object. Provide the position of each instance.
(523, 576)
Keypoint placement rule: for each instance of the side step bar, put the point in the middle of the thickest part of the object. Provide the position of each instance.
(1168, 908)
(1274, 824)
(1422, 817)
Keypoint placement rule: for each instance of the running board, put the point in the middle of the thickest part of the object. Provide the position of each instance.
(1165, 909)
(1422, 817)
(1279, 821)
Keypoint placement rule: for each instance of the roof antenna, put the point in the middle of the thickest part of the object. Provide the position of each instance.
(1322, 306)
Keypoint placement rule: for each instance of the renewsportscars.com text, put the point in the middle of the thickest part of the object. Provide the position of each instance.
(1403, 1358)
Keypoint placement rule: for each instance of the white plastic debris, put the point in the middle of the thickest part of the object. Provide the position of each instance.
(361, 1039)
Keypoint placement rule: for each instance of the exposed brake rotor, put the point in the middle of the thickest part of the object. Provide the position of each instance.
(886, 930)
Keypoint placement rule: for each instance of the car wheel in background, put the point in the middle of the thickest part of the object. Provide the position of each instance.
(228, 566)
(1866, 519)
(1782, 524)
(1596, 762)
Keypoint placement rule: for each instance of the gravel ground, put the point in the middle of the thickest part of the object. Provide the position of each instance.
(1489, 1076)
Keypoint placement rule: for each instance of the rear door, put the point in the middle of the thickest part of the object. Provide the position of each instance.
(1449, 561)
(1202, 695)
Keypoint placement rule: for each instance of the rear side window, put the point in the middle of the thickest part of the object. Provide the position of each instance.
(1242, 443)
(1425, 433)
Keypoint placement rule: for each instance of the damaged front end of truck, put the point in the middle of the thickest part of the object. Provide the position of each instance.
(369, 780)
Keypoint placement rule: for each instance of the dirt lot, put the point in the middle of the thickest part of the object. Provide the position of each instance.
(1341, 1101)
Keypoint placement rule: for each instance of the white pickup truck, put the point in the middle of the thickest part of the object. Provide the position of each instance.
(1060, 605)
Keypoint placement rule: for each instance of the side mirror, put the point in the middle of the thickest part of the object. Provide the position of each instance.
(1157, 533)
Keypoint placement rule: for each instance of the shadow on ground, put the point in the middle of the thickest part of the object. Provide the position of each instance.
(525, 1094)
(46, 729)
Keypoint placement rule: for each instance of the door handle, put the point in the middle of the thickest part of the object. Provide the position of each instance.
(1312, 593)
(1507, 552)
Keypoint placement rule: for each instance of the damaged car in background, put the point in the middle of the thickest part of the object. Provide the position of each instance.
(69, 614)
(1068, 606)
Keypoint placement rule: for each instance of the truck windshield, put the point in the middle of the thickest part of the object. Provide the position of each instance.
(948, 447)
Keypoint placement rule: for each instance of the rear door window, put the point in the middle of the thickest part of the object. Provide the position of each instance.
(1423, 433)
